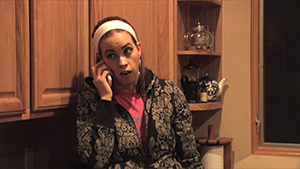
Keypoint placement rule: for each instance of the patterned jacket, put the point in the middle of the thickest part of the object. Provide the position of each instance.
(108, 138)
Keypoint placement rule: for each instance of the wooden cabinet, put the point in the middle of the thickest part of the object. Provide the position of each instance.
(153, 22)
(187, 14)
(44, 57)
(15, 56)
(58, 29)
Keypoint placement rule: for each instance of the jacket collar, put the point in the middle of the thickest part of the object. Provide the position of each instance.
(150, 78)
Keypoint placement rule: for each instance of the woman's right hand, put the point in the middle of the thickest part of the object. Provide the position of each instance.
(99, 72)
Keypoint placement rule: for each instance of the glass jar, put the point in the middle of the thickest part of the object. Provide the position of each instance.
(199, 38)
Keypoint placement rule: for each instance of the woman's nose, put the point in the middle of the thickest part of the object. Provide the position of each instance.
(123, 61)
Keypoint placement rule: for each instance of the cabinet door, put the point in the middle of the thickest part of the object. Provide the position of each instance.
(14, 59)
(59, 40)
(152, 21)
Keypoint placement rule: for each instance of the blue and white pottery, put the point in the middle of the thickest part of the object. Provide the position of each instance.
(213, 88)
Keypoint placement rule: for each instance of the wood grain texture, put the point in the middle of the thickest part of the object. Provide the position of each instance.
(59, 49)
(14, 65)
(206, 106)
(151, 20)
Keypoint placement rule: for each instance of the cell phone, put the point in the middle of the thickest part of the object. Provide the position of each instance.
(109, 80)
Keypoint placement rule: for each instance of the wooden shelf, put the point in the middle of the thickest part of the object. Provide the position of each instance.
(188, 13)
(213, 2)
(205, 106)
(196, 52)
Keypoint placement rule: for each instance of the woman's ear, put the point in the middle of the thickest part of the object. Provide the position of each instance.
(139, 48)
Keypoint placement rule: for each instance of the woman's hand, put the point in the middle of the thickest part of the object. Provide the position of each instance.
(100, 71)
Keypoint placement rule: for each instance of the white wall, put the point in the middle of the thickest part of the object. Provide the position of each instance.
(235, 116)
(236, 67)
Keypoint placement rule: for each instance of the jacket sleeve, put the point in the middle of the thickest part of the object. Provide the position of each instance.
(95, 129)
(186, 149)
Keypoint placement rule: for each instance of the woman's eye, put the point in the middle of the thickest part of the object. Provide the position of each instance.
(127, 51)
(110, 55)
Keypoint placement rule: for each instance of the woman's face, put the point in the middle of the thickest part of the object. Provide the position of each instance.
(120, 53)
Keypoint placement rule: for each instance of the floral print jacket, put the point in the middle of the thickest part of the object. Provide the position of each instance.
(108, 138)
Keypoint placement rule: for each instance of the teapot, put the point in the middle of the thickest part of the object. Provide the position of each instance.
(213, 88)
(199, 38)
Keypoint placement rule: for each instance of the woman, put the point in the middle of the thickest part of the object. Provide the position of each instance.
(138, 121)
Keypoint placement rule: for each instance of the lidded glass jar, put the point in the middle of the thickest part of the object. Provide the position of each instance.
(199, 38)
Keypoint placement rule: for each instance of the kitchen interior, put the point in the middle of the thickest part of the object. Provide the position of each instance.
(45, 39)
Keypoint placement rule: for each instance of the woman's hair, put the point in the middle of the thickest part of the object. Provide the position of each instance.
(140, 88)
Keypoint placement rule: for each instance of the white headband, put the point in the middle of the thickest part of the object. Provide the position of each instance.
(110, 25)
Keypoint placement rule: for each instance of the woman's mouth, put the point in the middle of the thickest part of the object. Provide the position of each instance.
(125, 73)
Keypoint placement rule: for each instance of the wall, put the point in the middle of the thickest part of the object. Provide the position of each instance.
(237, 106)
(236, 67)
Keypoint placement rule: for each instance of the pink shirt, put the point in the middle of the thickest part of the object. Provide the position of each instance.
(135, 106)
